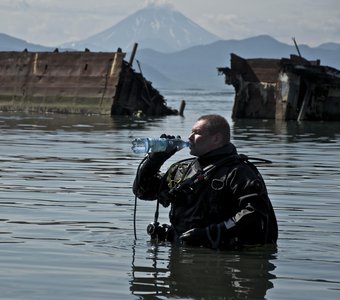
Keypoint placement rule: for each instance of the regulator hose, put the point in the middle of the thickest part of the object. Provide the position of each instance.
(135, 206)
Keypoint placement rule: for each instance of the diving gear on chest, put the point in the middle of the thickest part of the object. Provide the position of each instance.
(188, 184)
(191, 183)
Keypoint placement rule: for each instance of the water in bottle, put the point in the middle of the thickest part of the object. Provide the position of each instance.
(148, 145)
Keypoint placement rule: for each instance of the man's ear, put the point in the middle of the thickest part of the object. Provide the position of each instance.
(218, 139)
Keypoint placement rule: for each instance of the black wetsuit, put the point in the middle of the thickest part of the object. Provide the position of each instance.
(220, 187)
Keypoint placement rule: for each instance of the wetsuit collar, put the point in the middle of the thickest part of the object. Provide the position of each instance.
(217, 154)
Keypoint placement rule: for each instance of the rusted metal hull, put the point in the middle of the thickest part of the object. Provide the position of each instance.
(283, 89)
(76, 82)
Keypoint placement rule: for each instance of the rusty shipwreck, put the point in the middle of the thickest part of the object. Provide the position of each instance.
(283, 89)
(77, 82)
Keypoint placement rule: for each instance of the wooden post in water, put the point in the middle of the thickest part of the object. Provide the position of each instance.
(181, 108)
(305, 103)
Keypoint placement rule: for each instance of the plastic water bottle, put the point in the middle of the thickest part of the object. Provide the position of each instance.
(148, 145)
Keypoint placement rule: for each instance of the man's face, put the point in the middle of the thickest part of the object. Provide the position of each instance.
(201, 141)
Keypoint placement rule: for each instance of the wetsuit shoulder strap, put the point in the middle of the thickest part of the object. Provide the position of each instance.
(224, 161)
(208, 170)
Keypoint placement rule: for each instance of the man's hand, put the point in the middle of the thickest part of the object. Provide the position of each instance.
(195, 237)
(170, 148)
(163, 156)
(209, 236)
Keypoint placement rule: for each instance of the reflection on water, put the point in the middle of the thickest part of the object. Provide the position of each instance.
(66, 210)
(189, 273)
(289, 131)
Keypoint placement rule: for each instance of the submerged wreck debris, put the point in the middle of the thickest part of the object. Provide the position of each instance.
(76, 82)
(283, 89)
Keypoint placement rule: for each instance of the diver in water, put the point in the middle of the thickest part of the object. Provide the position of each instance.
(217, 198)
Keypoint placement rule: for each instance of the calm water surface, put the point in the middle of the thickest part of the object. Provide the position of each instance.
(66, 210)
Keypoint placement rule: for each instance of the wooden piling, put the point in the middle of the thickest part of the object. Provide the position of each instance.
(181, 108)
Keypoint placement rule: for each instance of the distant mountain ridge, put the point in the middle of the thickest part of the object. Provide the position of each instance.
(157, 27)
(196, 67)
(9, 43)
(329, 46)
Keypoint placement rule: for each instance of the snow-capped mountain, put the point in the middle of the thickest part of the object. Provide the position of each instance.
(158, 27)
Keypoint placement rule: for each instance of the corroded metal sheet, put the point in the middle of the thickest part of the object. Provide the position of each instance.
(59, 81)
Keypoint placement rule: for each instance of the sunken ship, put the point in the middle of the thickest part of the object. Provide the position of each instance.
(284, 89)
(77, 82)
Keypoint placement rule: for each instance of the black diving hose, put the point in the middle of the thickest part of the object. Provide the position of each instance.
(135, 206)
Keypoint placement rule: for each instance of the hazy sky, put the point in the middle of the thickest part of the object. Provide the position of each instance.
(53, 22)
